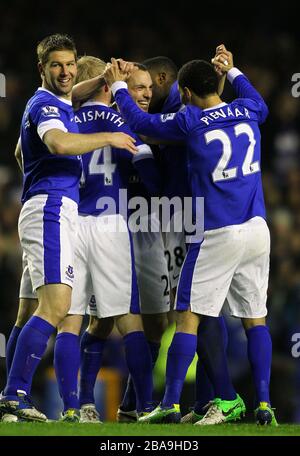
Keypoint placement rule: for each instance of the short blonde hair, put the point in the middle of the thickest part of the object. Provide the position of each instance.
(89, 67)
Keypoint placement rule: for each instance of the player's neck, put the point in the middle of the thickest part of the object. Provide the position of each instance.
(208, 102)
(102, 98)
(64, 96)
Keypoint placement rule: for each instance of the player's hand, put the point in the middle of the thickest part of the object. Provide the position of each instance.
(113, 72)
(123, 141)
(223, 60)
(126, 67)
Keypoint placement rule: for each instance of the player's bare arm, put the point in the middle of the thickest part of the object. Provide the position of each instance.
(62, 143)
(86, 89)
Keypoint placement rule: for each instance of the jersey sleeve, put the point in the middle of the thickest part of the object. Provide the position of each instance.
(171, 126)
(147, 168)
(47, 117)
(244, 89)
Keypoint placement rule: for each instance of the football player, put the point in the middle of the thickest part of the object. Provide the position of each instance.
(231, 262)
(51, 147)
(106, 279)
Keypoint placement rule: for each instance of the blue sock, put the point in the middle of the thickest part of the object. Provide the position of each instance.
(31, 345)
(66, 364)
(180, 355)
(11, 347)
(91, 349)
(212, 354)
(154, 350)
(204, 388)
(129, 399)
(139, 364)
(260, 358)
(224, 330)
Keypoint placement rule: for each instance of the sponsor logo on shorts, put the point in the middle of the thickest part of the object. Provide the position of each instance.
(70, 272)
(92, 303)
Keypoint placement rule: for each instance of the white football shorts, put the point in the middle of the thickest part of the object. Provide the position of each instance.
(105, 283)
(151, 270)
(47, 231)
(175, 252)
(26, 290)
(230, 265)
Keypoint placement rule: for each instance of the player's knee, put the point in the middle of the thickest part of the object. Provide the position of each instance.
(71, 324)
(27, 307)
(249, 323)
(155, 326)
(129, 323)
(187, 322)
(100, 328)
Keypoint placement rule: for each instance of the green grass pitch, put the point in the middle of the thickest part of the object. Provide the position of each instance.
(114, 429)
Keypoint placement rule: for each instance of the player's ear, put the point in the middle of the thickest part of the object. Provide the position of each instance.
(187, 94)
(162, 77)
(41, 69)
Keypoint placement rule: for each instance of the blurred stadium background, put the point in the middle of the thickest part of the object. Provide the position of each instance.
(264, 40)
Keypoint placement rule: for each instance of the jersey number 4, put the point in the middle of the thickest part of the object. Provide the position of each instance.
(106, 168)
(222, 173)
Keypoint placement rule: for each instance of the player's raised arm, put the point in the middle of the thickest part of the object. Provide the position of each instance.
(223, 62)
(64, 143)
(168, 126)
(85, 90)
(244, 89)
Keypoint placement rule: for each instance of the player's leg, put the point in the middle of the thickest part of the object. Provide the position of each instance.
(67, 344)
(247, 299)
(138, 359)
(184, 343)
(92, 346)
(46, 226)
(209, 282)
(27, 305)
(154, 326)
(212, 334)
(26, 309)
(260, 359)
(153, 283)
(116, 294)
(66, 364)
(180, 355)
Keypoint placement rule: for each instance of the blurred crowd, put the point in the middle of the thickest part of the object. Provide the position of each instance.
(262, 48)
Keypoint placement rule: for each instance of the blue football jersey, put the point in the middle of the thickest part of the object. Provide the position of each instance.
(107, 170)
(223, 145)
(44, 172)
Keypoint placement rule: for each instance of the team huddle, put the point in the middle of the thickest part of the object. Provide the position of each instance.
(89, 168)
